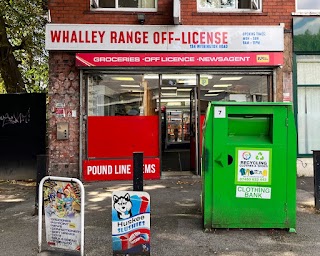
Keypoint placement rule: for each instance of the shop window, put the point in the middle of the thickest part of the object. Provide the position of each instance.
(229, 5)
(311, 6)
(238, 88)
(121, 95)
(124, 5)
(308, 109)
(308, 118)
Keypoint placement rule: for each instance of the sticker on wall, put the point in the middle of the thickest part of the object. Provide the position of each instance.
(130, 223)
(60, 110)
(253, 165)
(219, 112)
(253, 192)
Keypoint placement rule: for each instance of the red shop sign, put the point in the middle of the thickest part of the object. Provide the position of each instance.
(180, 59)
(119, 169)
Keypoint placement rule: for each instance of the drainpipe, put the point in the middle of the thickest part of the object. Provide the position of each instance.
(80, 124)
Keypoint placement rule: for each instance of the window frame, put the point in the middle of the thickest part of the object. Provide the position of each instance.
(298, 58)
(257, 3)
(94, 6)
(118, 95)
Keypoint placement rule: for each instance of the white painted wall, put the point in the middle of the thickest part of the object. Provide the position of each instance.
(305, 167)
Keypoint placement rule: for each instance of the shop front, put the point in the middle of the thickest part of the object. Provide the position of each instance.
(146, 89)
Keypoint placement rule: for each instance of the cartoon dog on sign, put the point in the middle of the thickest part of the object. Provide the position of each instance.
(123, 205)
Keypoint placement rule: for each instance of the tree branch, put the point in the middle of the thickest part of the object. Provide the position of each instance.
(20, 46)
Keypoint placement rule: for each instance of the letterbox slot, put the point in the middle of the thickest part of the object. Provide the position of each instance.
(251, 128)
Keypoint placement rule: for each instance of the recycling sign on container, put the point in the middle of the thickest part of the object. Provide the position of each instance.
(253, 165)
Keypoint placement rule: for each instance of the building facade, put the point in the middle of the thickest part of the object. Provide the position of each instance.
(136, 76)
(306, 84)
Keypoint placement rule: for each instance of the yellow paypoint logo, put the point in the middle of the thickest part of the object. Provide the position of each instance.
(262, 58)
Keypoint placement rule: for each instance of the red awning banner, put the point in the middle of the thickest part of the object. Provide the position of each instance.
(180, 59)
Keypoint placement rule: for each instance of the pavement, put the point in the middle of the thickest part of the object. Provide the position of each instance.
(176, 222)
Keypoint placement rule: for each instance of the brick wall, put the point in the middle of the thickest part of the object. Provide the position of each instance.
(64, 88)
(78, 11)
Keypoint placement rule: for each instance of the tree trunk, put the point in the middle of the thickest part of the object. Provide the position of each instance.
(9, 70)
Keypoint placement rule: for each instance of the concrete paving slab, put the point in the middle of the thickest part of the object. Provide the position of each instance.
(176, 222)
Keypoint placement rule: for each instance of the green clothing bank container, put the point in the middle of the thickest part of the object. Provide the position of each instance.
(249, 166)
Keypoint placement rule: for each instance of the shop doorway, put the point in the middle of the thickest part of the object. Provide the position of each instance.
(176, 125)
(184, 99)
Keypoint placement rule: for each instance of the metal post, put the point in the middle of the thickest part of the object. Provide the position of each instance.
(41, 173)
(137, 171)
(316, 176)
